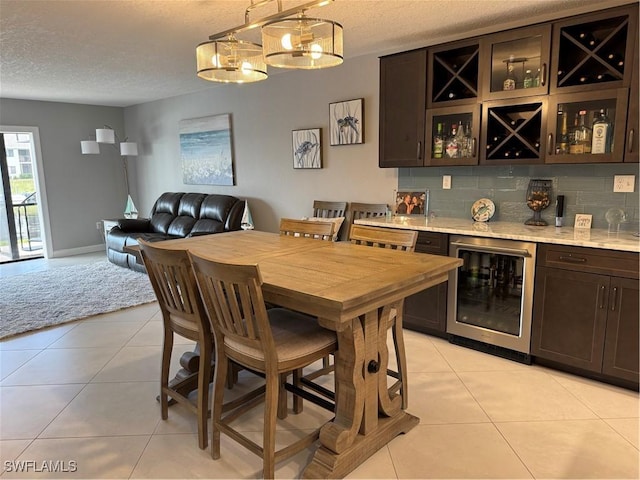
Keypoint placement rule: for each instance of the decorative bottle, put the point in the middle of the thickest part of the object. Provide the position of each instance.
(438, 142)
(528, 79)
(602, 134)
(510, 80)
(452, 148)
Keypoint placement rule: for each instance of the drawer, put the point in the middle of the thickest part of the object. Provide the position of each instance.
(432, 242)
(591, 260)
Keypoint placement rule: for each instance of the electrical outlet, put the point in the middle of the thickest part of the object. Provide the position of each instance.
(446, 182)
(99, 225)
(624, 183)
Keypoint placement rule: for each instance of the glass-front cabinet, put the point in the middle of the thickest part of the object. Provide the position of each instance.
(452, 135)
(516, 63)
(454, 74)
(513, 133)
(593, 51)
(587, 127)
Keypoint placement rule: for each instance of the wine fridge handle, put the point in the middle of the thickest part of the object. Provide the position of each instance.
(630, 140)
(543, 75)
(486, 248)
(550, 144)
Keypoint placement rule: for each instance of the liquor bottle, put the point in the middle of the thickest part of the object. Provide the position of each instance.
(576, 146)
(536, 79)
(438, 142)
(461, 141)
(528, 79)
(563, 140)
(510, 80)
(583, 133)
(452, 149)
(468, 141)
(602, 134)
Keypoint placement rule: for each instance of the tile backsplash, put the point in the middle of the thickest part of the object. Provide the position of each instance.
(587, 189)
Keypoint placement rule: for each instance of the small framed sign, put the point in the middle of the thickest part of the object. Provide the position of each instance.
(583, 220)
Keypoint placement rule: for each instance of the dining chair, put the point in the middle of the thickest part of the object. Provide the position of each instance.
(307, 228)
(325, 209)
(367, 210)
(272, 342)
(398, 240)
(183, 312)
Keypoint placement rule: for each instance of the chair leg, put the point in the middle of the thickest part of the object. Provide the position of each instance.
(167, 347)
(401, 357)
(297, 400)
(269, 437)
(203, 394)
(282, 397)
(219, 379)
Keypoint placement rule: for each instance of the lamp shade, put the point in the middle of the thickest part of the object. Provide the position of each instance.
(230, 61)
(129, 148)
(302, 42)
(89, 147)
(105, 135)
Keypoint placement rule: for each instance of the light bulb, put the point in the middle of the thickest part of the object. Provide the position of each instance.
(246, 67)
(215, 60)
(286, 41)
(316, 51)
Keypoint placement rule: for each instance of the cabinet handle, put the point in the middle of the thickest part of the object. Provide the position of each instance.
(602, 292)
(418, 153)
(570, 259)
(614, 298)
(550, 144)
(631, 135)
(474, 152)
(543, 75)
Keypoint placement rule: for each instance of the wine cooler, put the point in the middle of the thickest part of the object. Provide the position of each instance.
(491, 295)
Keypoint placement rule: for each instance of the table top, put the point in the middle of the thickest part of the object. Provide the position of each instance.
(333, 280)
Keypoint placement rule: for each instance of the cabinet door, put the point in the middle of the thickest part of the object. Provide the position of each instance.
(454, 77)
(467, 148)
(566, 143)
(569, 317)
(403, 79)
(594, 51)
(512, 132)
(521, 55)
(632, 148)
(621, 342)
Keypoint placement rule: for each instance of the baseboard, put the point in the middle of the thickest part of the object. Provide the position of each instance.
(69, 252)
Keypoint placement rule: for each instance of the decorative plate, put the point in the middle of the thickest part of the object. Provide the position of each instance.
(482, 210)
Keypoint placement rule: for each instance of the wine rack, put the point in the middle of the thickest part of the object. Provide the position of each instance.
(454, 74)
(594, 52)
(513, 133)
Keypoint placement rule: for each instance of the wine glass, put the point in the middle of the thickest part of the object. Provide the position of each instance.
(538, 198)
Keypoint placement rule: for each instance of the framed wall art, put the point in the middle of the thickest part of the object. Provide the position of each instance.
(411, 202)
(206, 150)
(346, 120)
(307, 148)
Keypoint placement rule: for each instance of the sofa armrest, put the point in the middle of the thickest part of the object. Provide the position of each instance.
(135, 225)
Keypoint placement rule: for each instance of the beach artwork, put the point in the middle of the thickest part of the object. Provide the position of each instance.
(206, 150)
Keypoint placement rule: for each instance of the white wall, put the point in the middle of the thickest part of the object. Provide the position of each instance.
(263, 115)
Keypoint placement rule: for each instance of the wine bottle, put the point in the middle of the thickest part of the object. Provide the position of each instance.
(528, 79)
(563, 144)
(576, 147)
(602, 134)
(438, 142)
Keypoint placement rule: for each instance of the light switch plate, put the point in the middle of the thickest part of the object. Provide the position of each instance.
(624, 183)
(446, 182)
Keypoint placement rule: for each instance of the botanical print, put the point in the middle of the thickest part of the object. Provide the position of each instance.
(307, 150)
(346, 122)
(205, 151)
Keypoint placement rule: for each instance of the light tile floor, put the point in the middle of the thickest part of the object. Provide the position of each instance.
(85, 392)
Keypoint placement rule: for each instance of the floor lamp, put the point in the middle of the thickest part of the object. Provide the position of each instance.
(107, 135)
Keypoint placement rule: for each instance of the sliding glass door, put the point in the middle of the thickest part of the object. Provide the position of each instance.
(21, 226)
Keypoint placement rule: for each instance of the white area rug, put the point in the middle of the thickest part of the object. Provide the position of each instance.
(41, 299)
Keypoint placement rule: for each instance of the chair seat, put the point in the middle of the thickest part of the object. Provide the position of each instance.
(295, 335)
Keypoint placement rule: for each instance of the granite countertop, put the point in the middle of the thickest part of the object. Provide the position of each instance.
(594, 238)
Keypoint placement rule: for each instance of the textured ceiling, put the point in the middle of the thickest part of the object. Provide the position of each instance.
(125, 52)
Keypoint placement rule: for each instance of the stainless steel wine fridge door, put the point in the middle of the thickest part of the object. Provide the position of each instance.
(491, 294)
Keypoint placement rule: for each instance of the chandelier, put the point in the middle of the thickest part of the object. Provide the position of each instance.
(290, 39)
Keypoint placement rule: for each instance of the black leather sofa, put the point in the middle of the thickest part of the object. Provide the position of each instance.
(174, 215)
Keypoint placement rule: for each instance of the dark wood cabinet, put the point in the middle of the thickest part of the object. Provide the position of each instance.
(403, 86)
(632, 148)
(466, 115)
(426, 311)
(585, 312)
(454, 74)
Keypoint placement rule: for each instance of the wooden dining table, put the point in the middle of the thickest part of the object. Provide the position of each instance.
(350, 289)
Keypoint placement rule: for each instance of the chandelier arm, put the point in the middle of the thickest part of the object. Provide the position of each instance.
(276, 16)
(259, 4)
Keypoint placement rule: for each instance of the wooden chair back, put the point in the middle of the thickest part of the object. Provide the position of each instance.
(176, 289)
(329, 209)
(367, 210)
(307, 228)
(383, 237)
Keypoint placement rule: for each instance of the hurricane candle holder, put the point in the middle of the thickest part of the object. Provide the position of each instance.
(538, 198)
